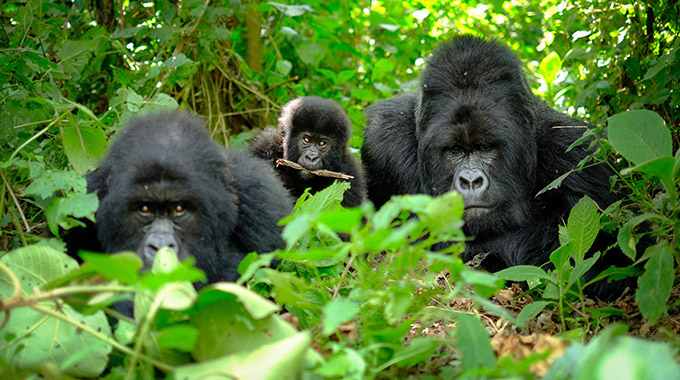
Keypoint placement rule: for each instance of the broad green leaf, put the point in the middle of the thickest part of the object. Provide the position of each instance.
(256, 305)
(522, 273)
(84, 146)
(123, 267)
(654, 286)
(311, 52)
(180, 337)
(50, 182)
(284, 67)
(583, 226)
(31, 339)
(640, 136)
(160, 103)
(473, 342)
(530, 311)
(662, 168)
(74, 55)
(62, 211)
(342, 220)
(625, 237)
(337, 312)
(177, 60)
(279, 360)
(612, 355)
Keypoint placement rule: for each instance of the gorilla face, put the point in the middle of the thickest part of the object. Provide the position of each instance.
(475, 136)
(313, 150)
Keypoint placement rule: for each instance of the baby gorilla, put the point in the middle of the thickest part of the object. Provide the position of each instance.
(314, 132)
(166, 183)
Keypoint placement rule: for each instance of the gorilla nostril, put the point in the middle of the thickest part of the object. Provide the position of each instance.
(471, 181)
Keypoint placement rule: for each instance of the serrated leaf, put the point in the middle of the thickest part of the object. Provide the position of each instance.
(473, 342)
(31, 339)
(640, 136)
(654, 286)
(62, 211)
(583, 226)
(337, 312)
(74, 55)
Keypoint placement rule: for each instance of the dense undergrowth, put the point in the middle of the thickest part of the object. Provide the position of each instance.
(381, 304)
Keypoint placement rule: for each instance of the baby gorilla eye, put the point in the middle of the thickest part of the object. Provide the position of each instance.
(323, 143)
(306, 140)
(178, 210)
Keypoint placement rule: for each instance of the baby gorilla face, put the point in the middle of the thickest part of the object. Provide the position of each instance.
(313, 150)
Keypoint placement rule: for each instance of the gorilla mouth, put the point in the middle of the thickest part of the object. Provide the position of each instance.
(476, 211)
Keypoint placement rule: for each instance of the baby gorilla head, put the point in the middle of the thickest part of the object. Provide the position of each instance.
(316, 132)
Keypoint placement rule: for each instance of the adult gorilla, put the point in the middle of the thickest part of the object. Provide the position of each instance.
(475, 126)
(165, 183)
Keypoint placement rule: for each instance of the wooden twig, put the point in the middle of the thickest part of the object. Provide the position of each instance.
(320, 172)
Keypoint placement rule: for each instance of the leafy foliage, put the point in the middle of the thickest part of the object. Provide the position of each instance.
(364, 286)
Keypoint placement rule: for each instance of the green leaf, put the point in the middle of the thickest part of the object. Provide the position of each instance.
(549, 67)
(292, 10)
(280, 360)
(581, 268)
(654, 286)
(84, 146)
(123, 267)
(583, 226)
(311, 52)
(74, 55)
(284, 67)
(640, 136)
(257, 306)
(160, 103)
(418, 350)
(337, 312)
(662, 168)
(342, 220)
(62, 211)
(473, 342)
(625, 237)
(522, 273)
(530, 311)
(180, 337)
(177, 60)
(31, 339)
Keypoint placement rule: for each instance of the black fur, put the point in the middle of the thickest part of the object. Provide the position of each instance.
(321, 119)
(475, 111)
(230, 201)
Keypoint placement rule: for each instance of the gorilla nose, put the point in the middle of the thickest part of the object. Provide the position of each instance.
(157, 241)
(471, 182)
(311, 160)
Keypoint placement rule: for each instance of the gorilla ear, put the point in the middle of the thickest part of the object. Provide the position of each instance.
(97, 181)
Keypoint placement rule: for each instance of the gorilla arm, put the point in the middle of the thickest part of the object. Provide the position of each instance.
(389, 153)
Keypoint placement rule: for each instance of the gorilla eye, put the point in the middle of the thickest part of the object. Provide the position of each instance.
(322, 143)
(144, 210)
(306, 140)
(178, 210)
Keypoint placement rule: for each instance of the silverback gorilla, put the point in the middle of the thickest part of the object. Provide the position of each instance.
(314, 132)
(165, 182)
(475, 126)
